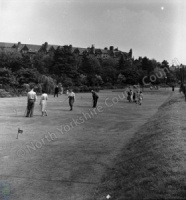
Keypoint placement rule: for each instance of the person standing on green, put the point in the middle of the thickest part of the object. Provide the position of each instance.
(56, 91)
(71, 96)
(95, 98)
(31, 98)
(140, 97)
(43, 103)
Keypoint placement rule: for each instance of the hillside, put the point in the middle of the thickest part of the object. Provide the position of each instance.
(153, 164)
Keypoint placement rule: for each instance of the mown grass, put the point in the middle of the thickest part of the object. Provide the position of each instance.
(153, 164)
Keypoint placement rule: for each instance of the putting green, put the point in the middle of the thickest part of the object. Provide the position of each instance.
(63, 155)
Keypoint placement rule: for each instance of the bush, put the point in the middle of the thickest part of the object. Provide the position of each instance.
(26, 87)
(67, 82)
(83, 88)
(4, 93)
(46, 83)
(76, 89)
(108, 85)
(38, 88)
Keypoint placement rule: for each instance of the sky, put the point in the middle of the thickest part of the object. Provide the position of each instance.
(152, 28)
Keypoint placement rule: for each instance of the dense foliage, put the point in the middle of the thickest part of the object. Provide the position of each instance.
(82, 72)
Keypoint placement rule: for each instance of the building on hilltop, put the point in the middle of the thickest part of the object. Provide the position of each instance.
(46, 48)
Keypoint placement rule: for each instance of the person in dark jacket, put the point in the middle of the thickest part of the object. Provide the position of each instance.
(95, 98)
(56, 91)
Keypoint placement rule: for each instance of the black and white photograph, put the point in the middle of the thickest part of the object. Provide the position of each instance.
(92, 99)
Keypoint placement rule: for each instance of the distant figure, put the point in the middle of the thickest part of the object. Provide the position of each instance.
(173, 88)
(56, 91)
(61, 90)
(67, 92)
(131, 96)
(134, 96)
(183, 89)
(71, 96)
(140, 97)
(128, 96)
(31, 98)
(95, 98)
(137, 97)
(43, 103)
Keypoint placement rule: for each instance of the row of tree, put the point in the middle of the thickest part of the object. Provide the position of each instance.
(62, 66)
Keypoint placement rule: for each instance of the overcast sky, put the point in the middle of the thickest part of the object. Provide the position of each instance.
(152, 28)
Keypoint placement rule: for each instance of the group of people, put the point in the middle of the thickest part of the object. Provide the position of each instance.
(32, 97)
(135, 96)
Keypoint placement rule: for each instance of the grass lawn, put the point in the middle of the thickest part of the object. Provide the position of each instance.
(152, 165)
(64, 155)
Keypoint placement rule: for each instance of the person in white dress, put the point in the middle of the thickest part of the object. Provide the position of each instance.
(131, 95)
(43, 103)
